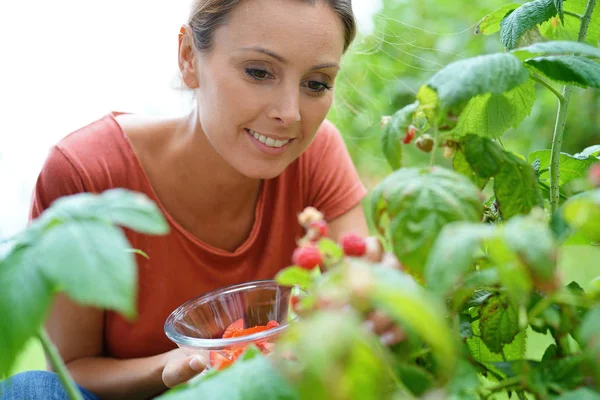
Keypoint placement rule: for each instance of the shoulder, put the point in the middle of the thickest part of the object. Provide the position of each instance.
(95, 156)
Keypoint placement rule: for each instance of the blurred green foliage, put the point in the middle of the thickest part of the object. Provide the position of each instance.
(411, 40)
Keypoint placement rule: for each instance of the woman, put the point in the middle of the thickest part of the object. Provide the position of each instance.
(231, 178)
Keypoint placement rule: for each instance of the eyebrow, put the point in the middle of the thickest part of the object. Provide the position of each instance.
(284, 61)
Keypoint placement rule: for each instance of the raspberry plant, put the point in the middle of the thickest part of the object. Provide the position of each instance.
(466, 264)
(469, 263)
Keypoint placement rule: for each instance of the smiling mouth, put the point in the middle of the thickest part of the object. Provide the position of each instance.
(267, 141)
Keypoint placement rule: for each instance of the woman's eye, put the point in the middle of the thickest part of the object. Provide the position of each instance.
(257, 74)
(317, 86)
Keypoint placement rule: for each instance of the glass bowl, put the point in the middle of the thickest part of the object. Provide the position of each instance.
(197, 326)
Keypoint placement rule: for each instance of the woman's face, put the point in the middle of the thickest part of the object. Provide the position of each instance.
(266, 85)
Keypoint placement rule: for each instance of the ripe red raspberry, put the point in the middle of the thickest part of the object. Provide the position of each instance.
(317, 230)
(410, 134)
(307, 257)
(294, 300)
(354, 245)
(594, 174)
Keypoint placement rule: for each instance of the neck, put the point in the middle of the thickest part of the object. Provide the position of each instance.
(206, 173)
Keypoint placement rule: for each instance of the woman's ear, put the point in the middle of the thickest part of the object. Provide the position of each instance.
(187, 57)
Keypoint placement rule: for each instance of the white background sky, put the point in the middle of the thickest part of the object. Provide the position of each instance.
(66, 63)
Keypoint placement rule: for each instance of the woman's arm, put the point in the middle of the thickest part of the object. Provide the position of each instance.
(352, 221)
(77, 332)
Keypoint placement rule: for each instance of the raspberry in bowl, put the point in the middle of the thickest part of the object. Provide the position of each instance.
(218, 326)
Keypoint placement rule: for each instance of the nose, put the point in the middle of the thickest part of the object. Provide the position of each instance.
(286, 107)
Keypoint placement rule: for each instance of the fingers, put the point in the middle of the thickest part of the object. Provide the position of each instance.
(181, 370)
(389, 333)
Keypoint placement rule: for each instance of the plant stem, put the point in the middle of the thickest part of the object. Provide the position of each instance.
(434, 130)
(541, 306)
(559, 127)
(545, 83)
(572, 14)
(512, 381)
(59, 366)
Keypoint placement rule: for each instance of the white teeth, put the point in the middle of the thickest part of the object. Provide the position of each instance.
(267, 140)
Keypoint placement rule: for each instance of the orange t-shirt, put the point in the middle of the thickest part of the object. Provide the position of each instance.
(99, 156)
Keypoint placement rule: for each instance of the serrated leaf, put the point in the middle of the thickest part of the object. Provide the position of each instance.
(512, 351)
(514, 276)
(492, 114)
(532, 241)
(499, 322)
(483, 155)
(89, 261)
(571, 167)
(516, 187)
(452, 255)
(580, 394)
(461, 165)
(557, 47)
(418, 203)
(249, 379)
(558, 4)
(294, 275)
(523, 19)
(25, 299)
(491, 22)
(591, 151)
(399, 296)
(333, 352)
(394, 132)
(582, 213)
(461, 80)
(573, 70)
(117, 206)
(416, 379)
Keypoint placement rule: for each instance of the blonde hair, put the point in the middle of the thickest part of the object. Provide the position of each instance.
(208, 15)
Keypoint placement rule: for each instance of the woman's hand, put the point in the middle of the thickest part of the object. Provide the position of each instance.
(180, 368)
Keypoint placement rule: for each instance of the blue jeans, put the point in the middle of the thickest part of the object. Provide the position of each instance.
(37, 385)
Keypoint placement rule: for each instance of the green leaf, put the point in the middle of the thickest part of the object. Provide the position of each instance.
(512, 351)
(483, 155)
(465, 383)
(294, 275)
(571, 167)
(332, 353)
(499, 322)
(558, 4)
(331, 250)
(523, 19)
(491, 22)
(418, 203)
(516, 187)
(406, 302)
(252, 377)
(573, 70)
(492, 114)
(582, 213)
(25, 299)
(118, 206)
(570, 30)
(416, 379)
(394, 132)
(580, 394)
(591, 151)
(461, 165)
(531, 239)
(557, 47)
(461, 80)
(452, 255)
(90, 261)
(513, 275)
